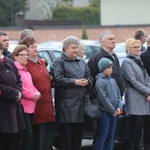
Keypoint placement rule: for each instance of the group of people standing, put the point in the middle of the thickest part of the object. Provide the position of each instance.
(26, 104)
(133, 81)
(26, 108)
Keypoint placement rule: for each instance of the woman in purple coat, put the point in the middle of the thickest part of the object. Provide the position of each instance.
(11, 112)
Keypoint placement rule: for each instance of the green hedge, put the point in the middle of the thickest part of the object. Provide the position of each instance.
(88, 15)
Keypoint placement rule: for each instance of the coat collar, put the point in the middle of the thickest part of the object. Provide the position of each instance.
(31, 63)
(20, 67)
(107, 54)
(5, 62)
(65, 57)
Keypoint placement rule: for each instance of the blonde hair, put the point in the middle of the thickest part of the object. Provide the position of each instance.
(130, 42)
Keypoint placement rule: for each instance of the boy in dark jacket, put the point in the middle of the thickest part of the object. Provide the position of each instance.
(110, 105)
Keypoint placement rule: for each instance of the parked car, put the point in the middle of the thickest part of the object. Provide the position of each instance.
(12, 45)
(49, 53)
(121, 51)
(89, 125)
(91, 46)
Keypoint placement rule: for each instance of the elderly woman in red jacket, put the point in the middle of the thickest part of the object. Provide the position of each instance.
(44, 111)
(11, 112)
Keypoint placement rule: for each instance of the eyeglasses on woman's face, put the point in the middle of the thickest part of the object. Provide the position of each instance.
(23, 55)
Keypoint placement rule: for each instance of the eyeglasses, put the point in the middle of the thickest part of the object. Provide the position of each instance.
(23, 55)
(135, 47)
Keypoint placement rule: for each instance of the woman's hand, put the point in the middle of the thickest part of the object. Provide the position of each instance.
(81, 82)
(148, 98)
(37, 96)
(19, 96)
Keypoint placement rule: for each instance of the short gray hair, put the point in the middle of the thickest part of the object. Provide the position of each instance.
(104, 34)
(81, 44)
(70, 40)
(24, 33)
(148, 39)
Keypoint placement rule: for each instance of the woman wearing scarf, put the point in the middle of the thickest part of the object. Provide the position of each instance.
(137, 92)
(44, 111)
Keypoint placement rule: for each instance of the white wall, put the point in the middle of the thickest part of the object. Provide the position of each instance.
(125, 12)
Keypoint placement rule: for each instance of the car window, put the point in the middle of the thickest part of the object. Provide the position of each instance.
(46, 56)
(90, 50)
(57, 53)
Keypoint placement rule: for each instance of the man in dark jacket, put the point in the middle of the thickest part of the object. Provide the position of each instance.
(145, 56)
(107, 42)
(5, 40)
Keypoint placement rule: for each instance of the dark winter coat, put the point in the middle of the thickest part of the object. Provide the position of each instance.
(116, 74)
(145, 56)
(69, 98)
(11, 112)
(7, 53)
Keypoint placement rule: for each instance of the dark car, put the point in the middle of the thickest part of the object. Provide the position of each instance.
(50, 54)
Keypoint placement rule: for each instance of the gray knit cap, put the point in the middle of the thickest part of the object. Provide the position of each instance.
(104, 63)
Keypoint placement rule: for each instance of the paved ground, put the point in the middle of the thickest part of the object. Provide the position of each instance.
(87, 145)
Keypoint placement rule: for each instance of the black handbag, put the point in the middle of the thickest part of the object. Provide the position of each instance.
(92, 108)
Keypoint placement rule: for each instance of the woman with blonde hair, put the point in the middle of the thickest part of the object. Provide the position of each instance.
(137, 91)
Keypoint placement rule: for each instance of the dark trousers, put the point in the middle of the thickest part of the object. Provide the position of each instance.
(8, 141)
(135, 132)
(146, 137)
(26, 135)
(42, 136)
(70, 136)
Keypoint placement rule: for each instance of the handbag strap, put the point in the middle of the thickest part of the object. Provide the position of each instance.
(92, 93)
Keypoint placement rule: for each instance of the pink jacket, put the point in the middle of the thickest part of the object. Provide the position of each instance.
(28, 89)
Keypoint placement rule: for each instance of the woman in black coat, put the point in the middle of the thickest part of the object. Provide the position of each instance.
(72, 78)
(11, 112)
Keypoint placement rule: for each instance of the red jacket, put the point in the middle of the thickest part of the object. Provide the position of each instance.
(44, 111)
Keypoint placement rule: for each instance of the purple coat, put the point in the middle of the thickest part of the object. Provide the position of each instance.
(11, 112)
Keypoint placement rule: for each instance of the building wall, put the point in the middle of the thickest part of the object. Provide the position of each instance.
(125, 12)
(58, 34)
